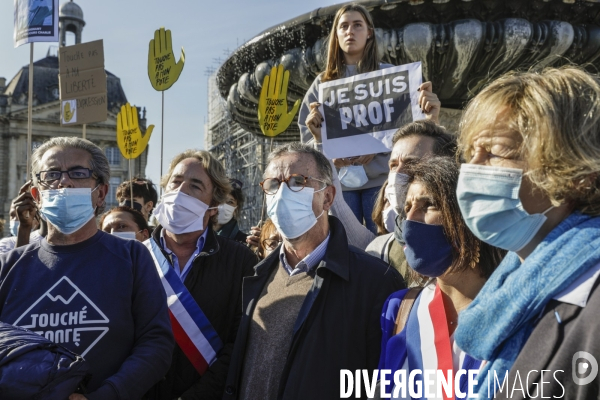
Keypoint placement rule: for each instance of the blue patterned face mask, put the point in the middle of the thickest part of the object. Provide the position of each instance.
(488, 198)
(67, 209)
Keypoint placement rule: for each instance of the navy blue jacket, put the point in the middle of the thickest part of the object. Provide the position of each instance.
(33, 367)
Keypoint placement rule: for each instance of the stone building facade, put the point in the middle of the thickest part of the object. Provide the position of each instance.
(46, 120)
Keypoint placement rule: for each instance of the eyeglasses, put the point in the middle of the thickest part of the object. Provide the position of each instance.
(75, 173)
(271, 244)
(127, 203)
(295, 182)
(236, 184)
(144, 182)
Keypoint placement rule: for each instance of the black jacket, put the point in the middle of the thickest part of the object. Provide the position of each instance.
(215, 282)
(231, 230)
(337, 327)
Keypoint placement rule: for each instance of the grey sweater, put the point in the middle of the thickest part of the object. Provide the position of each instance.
(271, 333)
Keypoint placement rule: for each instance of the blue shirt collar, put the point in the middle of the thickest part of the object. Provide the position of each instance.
(186, 269)
(308, 263)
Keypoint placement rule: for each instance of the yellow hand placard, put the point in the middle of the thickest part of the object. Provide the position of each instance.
(163, 71)
(129, 136)
(67, 114)
(273, 115)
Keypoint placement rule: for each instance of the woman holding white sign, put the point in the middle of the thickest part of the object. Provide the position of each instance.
(352, 50)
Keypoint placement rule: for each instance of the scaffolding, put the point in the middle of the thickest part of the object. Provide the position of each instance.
(243, 154)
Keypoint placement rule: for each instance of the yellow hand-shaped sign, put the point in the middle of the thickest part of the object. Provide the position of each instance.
(163, 71)
(129, 136)
(67, 113)
(273, 115)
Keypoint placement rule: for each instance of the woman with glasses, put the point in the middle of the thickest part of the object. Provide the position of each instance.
(352, 50)
(269, 240)
(229, 212)
(125, 222)
(450, 264)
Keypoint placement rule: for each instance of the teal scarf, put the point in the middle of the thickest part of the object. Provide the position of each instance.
(497, 324)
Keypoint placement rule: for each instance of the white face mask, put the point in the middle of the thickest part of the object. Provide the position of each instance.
(292, 212)
(389, 215)
(180, 213)
(396, 190)
(225, 214)
(125, 235)
(353, 176)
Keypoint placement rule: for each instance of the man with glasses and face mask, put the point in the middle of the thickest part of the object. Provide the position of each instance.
(92, 292)
(202, 275)
(313, 306)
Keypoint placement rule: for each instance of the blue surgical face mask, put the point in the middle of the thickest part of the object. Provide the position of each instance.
(14, 227)
(353, 176)
(488, 198)
(292, 212)
(67, 209)
(427, 249)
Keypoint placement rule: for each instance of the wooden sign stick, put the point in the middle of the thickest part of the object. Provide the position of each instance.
(29, 117)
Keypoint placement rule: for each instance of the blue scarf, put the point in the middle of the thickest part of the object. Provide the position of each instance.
(497, 324)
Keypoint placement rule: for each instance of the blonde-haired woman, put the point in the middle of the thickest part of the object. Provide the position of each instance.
(352, 49)
(532, 186)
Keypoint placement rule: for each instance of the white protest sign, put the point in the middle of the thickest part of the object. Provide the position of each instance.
(362, 112)
(35, 21)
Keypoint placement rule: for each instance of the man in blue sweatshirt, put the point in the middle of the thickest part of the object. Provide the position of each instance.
(96, 294)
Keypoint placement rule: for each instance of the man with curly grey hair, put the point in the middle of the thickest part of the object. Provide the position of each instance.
(92, 292)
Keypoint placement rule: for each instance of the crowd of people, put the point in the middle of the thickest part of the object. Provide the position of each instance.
(473, 253)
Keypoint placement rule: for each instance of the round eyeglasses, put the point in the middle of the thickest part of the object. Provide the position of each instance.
(295, 182)
(271, 244)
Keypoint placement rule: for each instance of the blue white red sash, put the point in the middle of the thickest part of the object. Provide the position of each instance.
(429, 346)
(192, 330)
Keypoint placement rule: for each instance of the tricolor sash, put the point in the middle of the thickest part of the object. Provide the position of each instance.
(192, 330)
(428, 345)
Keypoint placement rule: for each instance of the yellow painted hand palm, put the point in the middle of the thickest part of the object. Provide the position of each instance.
(68, 114)
(129, 137)
(163, 71)
(273, 115)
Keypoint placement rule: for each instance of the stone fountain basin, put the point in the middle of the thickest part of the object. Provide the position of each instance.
(462, 45)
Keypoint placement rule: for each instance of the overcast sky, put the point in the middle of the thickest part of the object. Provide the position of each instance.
(206, 29)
